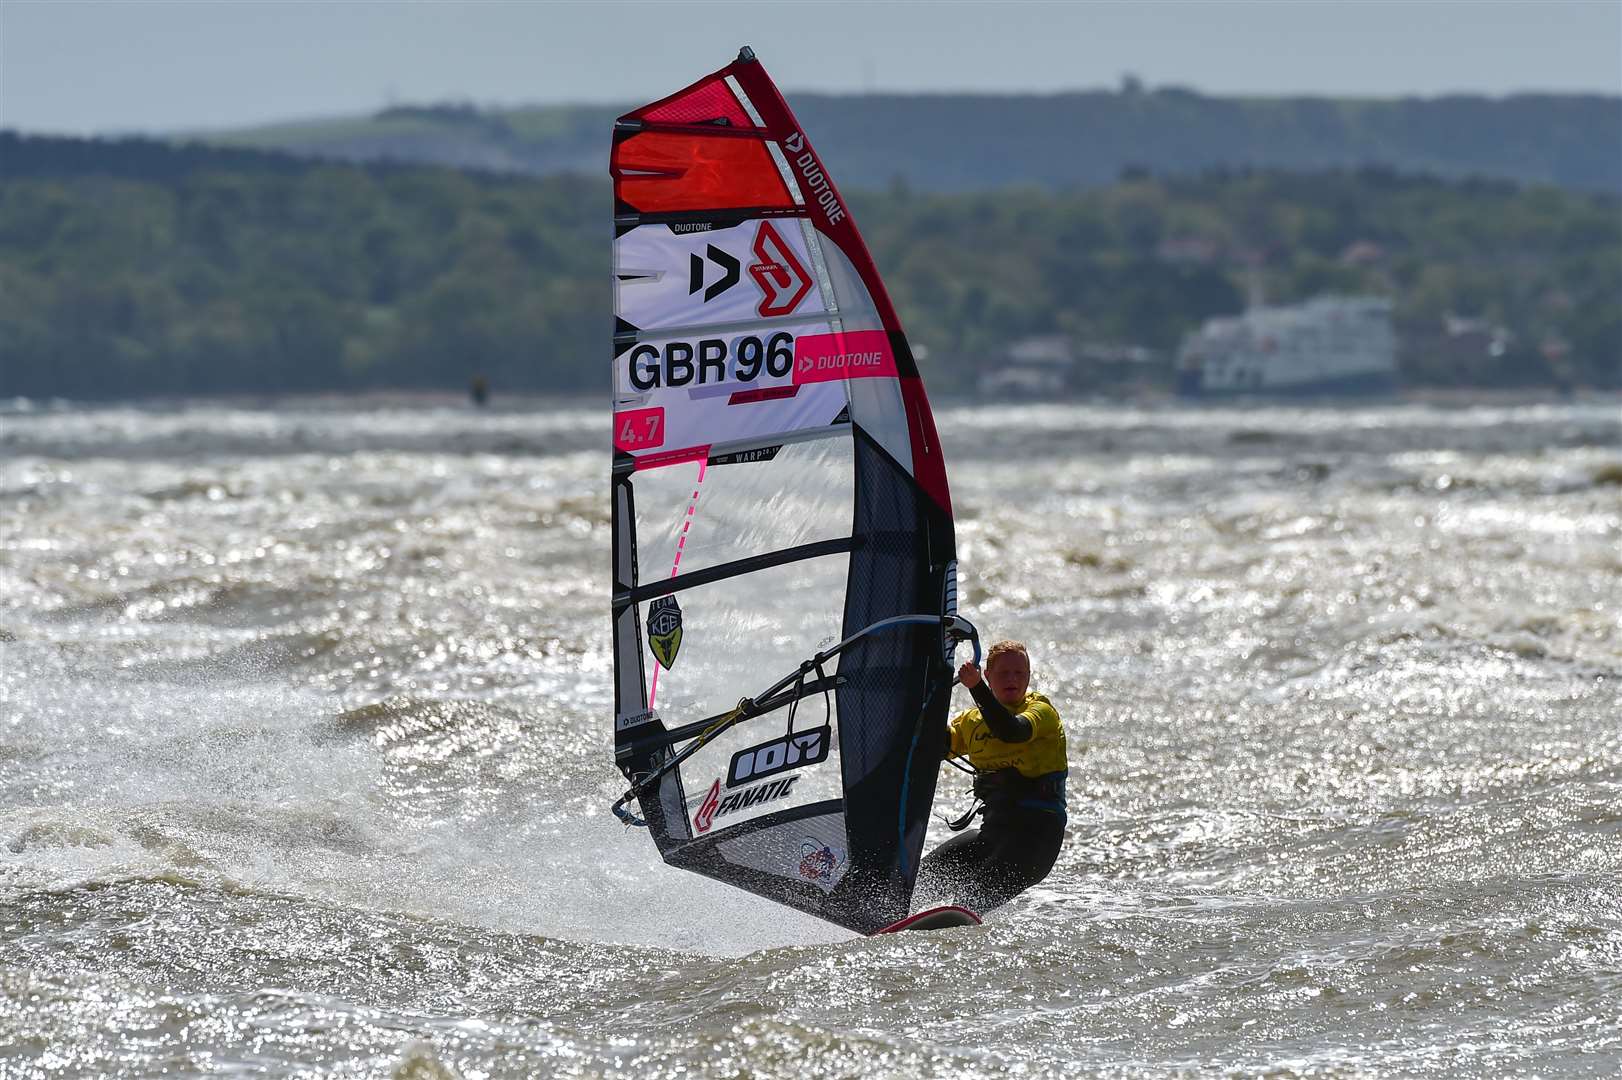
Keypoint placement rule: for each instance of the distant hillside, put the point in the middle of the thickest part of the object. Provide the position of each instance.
(133, 268)
(955, 143)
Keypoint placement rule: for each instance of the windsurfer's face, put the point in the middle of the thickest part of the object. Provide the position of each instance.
(1009, 676)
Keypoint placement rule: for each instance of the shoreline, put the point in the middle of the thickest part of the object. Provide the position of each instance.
(530, 401)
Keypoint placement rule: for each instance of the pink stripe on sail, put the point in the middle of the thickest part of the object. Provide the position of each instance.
(674, 457)
(692, 508)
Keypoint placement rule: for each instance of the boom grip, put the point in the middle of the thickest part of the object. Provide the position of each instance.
(961, 629)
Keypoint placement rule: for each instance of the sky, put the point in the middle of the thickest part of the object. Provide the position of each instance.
(126, 66)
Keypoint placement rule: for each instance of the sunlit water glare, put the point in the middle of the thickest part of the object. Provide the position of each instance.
(305, 757)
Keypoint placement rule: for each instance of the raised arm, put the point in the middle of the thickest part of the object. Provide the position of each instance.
(1007, 726)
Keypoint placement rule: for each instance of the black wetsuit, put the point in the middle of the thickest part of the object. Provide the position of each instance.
(1019, 839)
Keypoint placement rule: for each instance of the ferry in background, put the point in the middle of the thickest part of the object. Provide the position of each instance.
(1329, 345)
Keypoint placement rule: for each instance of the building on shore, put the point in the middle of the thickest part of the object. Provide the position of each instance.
(1032, 367)
(1052, 365)
(1328, 345)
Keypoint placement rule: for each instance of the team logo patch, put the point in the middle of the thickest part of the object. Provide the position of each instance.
(664, 630)
(818, 861)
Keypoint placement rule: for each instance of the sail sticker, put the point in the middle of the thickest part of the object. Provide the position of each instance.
(764, 393)
(742, 358)
(639, 429)
(751, 797)
(745, 457)
(819, 861)
(707, 808)
(783, 281)
(855, 354)
(696, 272)
(816, 181)
(795, 750)
(664, 630)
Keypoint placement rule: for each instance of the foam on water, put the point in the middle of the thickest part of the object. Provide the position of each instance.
(305, 765)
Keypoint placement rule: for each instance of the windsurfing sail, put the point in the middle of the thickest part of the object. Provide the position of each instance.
(780, 508)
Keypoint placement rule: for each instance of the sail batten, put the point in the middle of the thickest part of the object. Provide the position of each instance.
(741, 326)
(752, 331)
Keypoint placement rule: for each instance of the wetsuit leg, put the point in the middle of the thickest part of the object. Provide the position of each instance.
(946, 871)
(1023, 853)
(991, 865)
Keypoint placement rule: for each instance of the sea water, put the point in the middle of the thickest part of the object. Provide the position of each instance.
(305, 756)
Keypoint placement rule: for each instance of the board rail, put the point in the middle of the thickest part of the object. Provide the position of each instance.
(935, 918)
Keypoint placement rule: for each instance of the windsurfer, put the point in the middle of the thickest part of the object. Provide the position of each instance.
(1014, 740)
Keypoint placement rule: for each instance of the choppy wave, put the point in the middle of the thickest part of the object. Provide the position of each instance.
(304, 767)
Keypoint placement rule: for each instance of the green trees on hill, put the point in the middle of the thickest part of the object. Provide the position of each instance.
(128, 269)
(326, 278)
(1147, 259)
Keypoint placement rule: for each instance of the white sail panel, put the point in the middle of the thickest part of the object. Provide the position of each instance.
(782, 498)
(715, 274)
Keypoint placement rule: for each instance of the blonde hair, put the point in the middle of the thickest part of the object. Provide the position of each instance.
(1002, 648)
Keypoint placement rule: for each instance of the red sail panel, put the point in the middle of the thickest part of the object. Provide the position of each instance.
(696, 172)
(704, 102)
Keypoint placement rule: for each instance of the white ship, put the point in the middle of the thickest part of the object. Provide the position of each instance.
(1330, 345)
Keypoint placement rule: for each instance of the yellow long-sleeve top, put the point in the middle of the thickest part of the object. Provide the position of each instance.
(1041, 754)
(1017, 778)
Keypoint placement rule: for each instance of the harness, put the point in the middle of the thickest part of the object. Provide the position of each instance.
(1009, 789)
